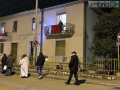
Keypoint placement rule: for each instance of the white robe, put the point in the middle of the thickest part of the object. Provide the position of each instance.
(24, 67)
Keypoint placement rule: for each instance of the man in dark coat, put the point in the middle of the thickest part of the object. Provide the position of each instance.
(9, 63)
(40, 63)
(4, 59)
(73, 65)
(61, 26)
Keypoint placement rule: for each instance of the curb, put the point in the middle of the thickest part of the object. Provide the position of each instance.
(66, 79)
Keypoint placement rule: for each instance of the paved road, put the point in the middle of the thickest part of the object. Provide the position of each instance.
(32, 83)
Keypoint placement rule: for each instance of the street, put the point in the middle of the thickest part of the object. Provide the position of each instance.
(32, 83)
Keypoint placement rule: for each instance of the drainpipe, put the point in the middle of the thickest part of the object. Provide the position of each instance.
(84, 39)
(41, 41)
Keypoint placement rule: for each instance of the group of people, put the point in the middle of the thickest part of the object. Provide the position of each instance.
(24, 63)
(8, 62)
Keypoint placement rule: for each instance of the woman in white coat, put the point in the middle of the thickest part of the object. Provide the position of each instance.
(24, 66)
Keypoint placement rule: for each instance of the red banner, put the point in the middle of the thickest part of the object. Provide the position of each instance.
(0, 35)
(55, 29)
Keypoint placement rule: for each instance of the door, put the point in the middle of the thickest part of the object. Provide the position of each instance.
(14, 51)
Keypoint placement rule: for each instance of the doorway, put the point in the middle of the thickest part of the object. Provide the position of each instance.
(14, 51)
(31, 48)
(31, 52)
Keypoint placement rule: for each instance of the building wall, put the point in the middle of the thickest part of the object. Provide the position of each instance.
(91, 19)
(24, 33)
(75, 15)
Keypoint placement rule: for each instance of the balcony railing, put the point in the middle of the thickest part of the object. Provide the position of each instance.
(53, 31)
(4, 36)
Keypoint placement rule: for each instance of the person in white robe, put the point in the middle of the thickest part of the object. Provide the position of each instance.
(24, 66)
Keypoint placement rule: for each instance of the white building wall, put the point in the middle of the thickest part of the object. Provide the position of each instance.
(24, 27)
(75, 15)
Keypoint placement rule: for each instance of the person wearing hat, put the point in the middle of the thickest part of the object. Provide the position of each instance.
(73, 65)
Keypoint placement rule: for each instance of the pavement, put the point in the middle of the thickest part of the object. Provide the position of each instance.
(54, 82)
(14, 82)
(81, 79)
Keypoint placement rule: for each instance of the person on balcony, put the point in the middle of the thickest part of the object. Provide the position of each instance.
(4, 60)
(5, 33)
(61, 26)
(24, 66)
(39, 64)
(73, 65)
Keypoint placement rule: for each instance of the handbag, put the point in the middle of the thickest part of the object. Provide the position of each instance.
(5, 67)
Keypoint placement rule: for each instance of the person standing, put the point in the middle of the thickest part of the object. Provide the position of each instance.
(4, 59)
(61, 26)
(9, 64)
(39, 64)
(73, 65)
(24, 66)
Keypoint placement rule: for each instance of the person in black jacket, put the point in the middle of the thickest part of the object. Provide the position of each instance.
(9, 63)
(61, 26)
(40, 63)
(4, 59)
(73, 65)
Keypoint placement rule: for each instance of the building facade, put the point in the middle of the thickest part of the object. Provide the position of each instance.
(77, 20)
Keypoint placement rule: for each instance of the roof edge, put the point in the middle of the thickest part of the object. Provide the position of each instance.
(63, 5)
(19, 14)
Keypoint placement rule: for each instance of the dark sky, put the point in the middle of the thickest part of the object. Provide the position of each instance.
(8, 7)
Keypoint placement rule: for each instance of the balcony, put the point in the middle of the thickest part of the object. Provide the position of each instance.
(4, 36)
(53, 31)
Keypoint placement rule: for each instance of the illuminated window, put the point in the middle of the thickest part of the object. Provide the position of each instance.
(15, 26)
(2, 27)
(60, 47)
(1, 47)
(33, 23)
(61, 17)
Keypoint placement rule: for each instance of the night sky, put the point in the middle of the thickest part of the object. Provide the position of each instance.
(8, 7)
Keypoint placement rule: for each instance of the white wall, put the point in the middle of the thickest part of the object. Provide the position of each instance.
(75, 15)
(24, 27)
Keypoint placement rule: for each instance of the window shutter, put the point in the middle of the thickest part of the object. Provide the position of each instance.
(15, 25)
(60, 47)
(1, 47)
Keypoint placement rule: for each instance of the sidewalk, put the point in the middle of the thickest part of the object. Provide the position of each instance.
(87, 80)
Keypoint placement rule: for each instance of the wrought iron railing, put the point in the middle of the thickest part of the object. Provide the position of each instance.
(67, 28)
(99, 65)
(4, 34)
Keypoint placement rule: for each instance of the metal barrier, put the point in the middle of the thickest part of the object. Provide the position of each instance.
(100, 65)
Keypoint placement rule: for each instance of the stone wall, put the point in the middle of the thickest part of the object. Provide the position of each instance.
(81, 74)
